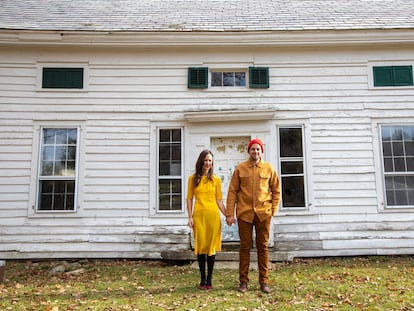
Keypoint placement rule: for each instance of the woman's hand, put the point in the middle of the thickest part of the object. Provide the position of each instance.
(191, 222)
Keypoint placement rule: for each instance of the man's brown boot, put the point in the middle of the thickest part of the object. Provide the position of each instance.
(242, 287)
(265, 288)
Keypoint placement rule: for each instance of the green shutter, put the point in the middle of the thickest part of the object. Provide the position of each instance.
(393, 75)
(62, 78)
(259, 77)
(197, 77)
(403, 75)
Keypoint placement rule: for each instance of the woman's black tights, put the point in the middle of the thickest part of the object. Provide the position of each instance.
(202, 259)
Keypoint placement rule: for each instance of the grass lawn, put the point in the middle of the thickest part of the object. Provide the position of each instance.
(352, 283)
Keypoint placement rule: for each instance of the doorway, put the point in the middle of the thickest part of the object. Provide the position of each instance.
(228, 152)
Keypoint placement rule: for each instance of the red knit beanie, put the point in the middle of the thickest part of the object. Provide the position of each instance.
(255, 141)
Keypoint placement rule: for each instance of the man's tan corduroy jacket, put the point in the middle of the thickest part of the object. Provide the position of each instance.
(254, 190)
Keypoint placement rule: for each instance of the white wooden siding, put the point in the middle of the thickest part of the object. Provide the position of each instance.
(128, 89)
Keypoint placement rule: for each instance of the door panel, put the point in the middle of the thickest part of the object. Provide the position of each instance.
(228, 152)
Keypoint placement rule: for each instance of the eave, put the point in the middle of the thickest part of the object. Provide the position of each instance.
(335, 37)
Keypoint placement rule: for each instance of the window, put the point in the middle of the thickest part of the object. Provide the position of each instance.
(62, 78)
(398, 160)
(228, 78)
(198, 78)
(170, 180)
(393, 76)
(292, 172)
(57, 169)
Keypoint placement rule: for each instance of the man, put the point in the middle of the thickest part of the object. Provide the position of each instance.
(254, 192)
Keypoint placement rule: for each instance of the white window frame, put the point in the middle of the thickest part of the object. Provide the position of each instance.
(33, 210)
(370, 74)
(379, 163)
(154, 171)
(230, 70)
(39, 76)
(307, 176)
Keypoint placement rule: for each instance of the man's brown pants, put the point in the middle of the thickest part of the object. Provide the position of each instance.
(246, 239)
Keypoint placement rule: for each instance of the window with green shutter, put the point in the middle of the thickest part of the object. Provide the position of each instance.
(259, 77)
(197, 77)
(62, 78)
(393, 75)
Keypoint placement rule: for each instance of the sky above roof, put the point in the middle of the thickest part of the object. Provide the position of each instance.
(205, 15)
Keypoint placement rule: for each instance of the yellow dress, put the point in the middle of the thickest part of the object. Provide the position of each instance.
(206, 214)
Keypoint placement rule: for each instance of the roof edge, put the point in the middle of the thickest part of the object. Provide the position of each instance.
(257, 38)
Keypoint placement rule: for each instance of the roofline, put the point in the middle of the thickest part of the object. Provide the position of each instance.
(216, 38)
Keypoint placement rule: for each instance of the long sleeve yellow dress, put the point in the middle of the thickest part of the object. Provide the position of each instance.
(206, 214)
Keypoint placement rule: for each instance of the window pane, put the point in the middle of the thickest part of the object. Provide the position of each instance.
(396, 133)
(386, 133)
(293, 192)
(71, 153)
(216, 79)
(164, 152)
(164, 168)
(240, 78)
(72, 136)
(47, 168)
(61, 137)
(291, 142)
(60, 153)
(292, 167)
(164, 135)
(49, 136)
(390, 198)
(176, 135)
(401, 197)
(228, 78)
(48, 154)
(397, 149)
(409, 148)
(176, 152)
(410, 164)
(175, 168)
(176, 202)
(399, 164)
(59, 168)
(408, 133)
(386, 149)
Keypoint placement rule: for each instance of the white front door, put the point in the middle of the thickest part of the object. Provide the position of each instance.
(228, 152)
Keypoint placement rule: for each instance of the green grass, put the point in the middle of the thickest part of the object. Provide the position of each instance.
(354, 283)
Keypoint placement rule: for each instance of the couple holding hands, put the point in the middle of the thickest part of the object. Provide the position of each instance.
(254, 194)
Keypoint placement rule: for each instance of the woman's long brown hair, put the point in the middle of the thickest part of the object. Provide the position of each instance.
(199, 168)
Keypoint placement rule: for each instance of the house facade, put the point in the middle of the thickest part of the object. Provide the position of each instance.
(102, 119)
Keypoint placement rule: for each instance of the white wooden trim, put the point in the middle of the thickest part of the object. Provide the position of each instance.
(60, 64)
(379, 166)
(36, 147)
(370, 73)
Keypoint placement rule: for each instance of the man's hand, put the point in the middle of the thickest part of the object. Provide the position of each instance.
(230, 220)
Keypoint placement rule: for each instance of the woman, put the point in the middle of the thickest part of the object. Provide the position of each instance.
(204, 219)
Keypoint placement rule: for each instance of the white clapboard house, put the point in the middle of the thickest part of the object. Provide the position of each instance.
(105, 106)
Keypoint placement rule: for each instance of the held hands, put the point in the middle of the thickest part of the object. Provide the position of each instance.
(230, 220)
